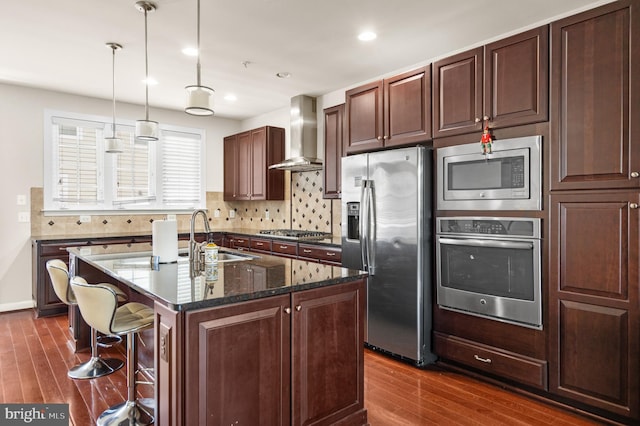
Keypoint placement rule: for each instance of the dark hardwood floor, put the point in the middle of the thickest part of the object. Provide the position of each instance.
(35, 357)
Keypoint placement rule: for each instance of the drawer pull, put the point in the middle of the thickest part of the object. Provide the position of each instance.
(485, 360)
(259, 244)
(284, 247)
(240, 241)
(330, 253)
(306, 250)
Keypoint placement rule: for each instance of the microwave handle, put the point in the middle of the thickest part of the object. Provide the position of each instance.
(486, 243)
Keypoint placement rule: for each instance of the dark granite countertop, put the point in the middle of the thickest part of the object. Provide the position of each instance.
(177, 287)
(332, 241)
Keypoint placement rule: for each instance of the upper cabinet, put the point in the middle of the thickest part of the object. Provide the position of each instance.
(596, 102)
(247, 157)
(334, 137)
(390, 112)
(505, 83)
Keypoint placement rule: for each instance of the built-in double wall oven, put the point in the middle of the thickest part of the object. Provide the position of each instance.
(490, 265)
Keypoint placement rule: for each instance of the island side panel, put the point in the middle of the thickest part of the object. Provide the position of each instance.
(169, 366)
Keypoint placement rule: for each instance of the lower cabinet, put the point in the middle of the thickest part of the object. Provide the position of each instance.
(284, 360)
(594, 300)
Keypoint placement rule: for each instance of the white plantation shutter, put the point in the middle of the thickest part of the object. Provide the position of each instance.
(78, 165)
(133, 170)
(167, 175)
(182, 182)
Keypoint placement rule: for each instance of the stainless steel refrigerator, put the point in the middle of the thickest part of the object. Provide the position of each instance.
(387, 231)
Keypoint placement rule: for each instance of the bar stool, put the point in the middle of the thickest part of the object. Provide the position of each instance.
(98, 305)
(95, 366)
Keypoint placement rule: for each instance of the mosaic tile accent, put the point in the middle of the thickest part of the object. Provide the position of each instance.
(309, 211)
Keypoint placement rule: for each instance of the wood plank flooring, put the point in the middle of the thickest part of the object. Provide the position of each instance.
(35, 356)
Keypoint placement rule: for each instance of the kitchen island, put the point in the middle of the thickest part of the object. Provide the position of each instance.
(256, 340)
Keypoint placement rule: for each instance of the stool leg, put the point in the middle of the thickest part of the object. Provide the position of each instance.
(130, 412)
(96, 366)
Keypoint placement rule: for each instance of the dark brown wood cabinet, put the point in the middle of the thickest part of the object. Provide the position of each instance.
(596, 98)
(334, 137)
(390, 112)
(505, 83)
(279, 356)
(247, 157)
(320, 253)
(594, 303)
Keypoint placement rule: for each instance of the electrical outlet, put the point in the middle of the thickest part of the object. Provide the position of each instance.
(85, 218)
(171, 217)
(232, 214)
(266, 215)
(24, 217)
(21, 200)
(216, 213)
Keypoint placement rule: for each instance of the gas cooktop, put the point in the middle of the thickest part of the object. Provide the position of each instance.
(296, 234)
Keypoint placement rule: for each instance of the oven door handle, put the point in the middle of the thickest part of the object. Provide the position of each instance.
(486, 243)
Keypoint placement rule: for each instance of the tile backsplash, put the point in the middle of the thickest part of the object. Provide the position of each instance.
(303, 208)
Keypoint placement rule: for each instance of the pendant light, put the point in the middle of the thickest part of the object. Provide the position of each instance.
(146, 130)
(113, 144)
(199, 97)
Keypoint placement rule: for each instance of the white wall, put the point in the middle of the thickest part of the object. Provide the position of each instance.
(21, 167)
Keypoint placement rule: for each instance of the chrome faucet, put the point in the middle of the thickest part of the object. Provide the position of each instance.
(196, 255)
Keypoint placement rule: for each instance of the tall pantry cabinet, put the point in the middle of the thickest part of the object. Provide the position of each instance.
(594, 301)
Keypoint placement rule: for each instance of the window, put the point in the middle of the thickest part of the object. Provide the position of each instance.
(146, 176)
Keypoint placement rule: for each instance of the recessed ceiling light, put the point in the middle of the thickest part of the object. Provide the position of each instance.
(367, 36)
(190, 51)
(283, 74)
(230, 97)
(150, 81)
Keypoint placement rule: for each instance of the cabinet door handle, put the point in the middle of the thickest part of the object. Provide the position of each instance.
(485, 360)
(477, 120)
(486, 118)
(635, 174)
(298, 308)
(633, 205)
(385, 137)
(287, 310)
(379, 138)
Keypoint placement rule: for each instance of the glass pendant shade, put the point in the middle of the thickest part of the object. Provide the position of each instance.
(199, 97)
(112, 145)
(147, 130)
(199, 100)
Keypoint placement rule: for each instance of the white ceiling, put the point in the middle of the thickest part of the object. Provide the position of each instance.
(60, 44)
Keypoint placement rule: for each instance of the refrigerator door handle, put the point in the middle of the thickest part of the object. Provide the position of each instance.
(371, 227)
(363, 225)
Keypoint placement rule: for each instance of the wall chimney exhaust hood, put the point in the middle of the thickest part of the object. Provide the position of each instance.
(303, 141)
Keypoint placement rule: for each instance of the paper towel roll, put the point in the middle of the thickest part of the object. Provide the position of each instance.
(165, 240)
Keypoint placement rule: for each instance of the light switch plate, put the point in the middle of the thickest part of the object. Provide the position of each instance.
(21, 200)
(85, 218)
(24, 217)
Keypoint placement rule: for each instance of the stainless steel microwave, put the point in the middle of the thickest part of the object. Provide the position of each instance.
(507, 179)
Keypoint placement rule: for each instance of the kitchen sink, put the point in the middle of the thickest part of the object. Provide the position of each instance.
(225, 256)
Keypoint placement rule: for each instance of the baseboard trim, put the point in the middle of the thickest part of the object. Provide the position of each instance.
(17, 306)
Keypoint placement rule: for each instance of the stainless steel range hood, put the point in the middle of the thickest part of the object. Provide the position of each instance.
(303, 141)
